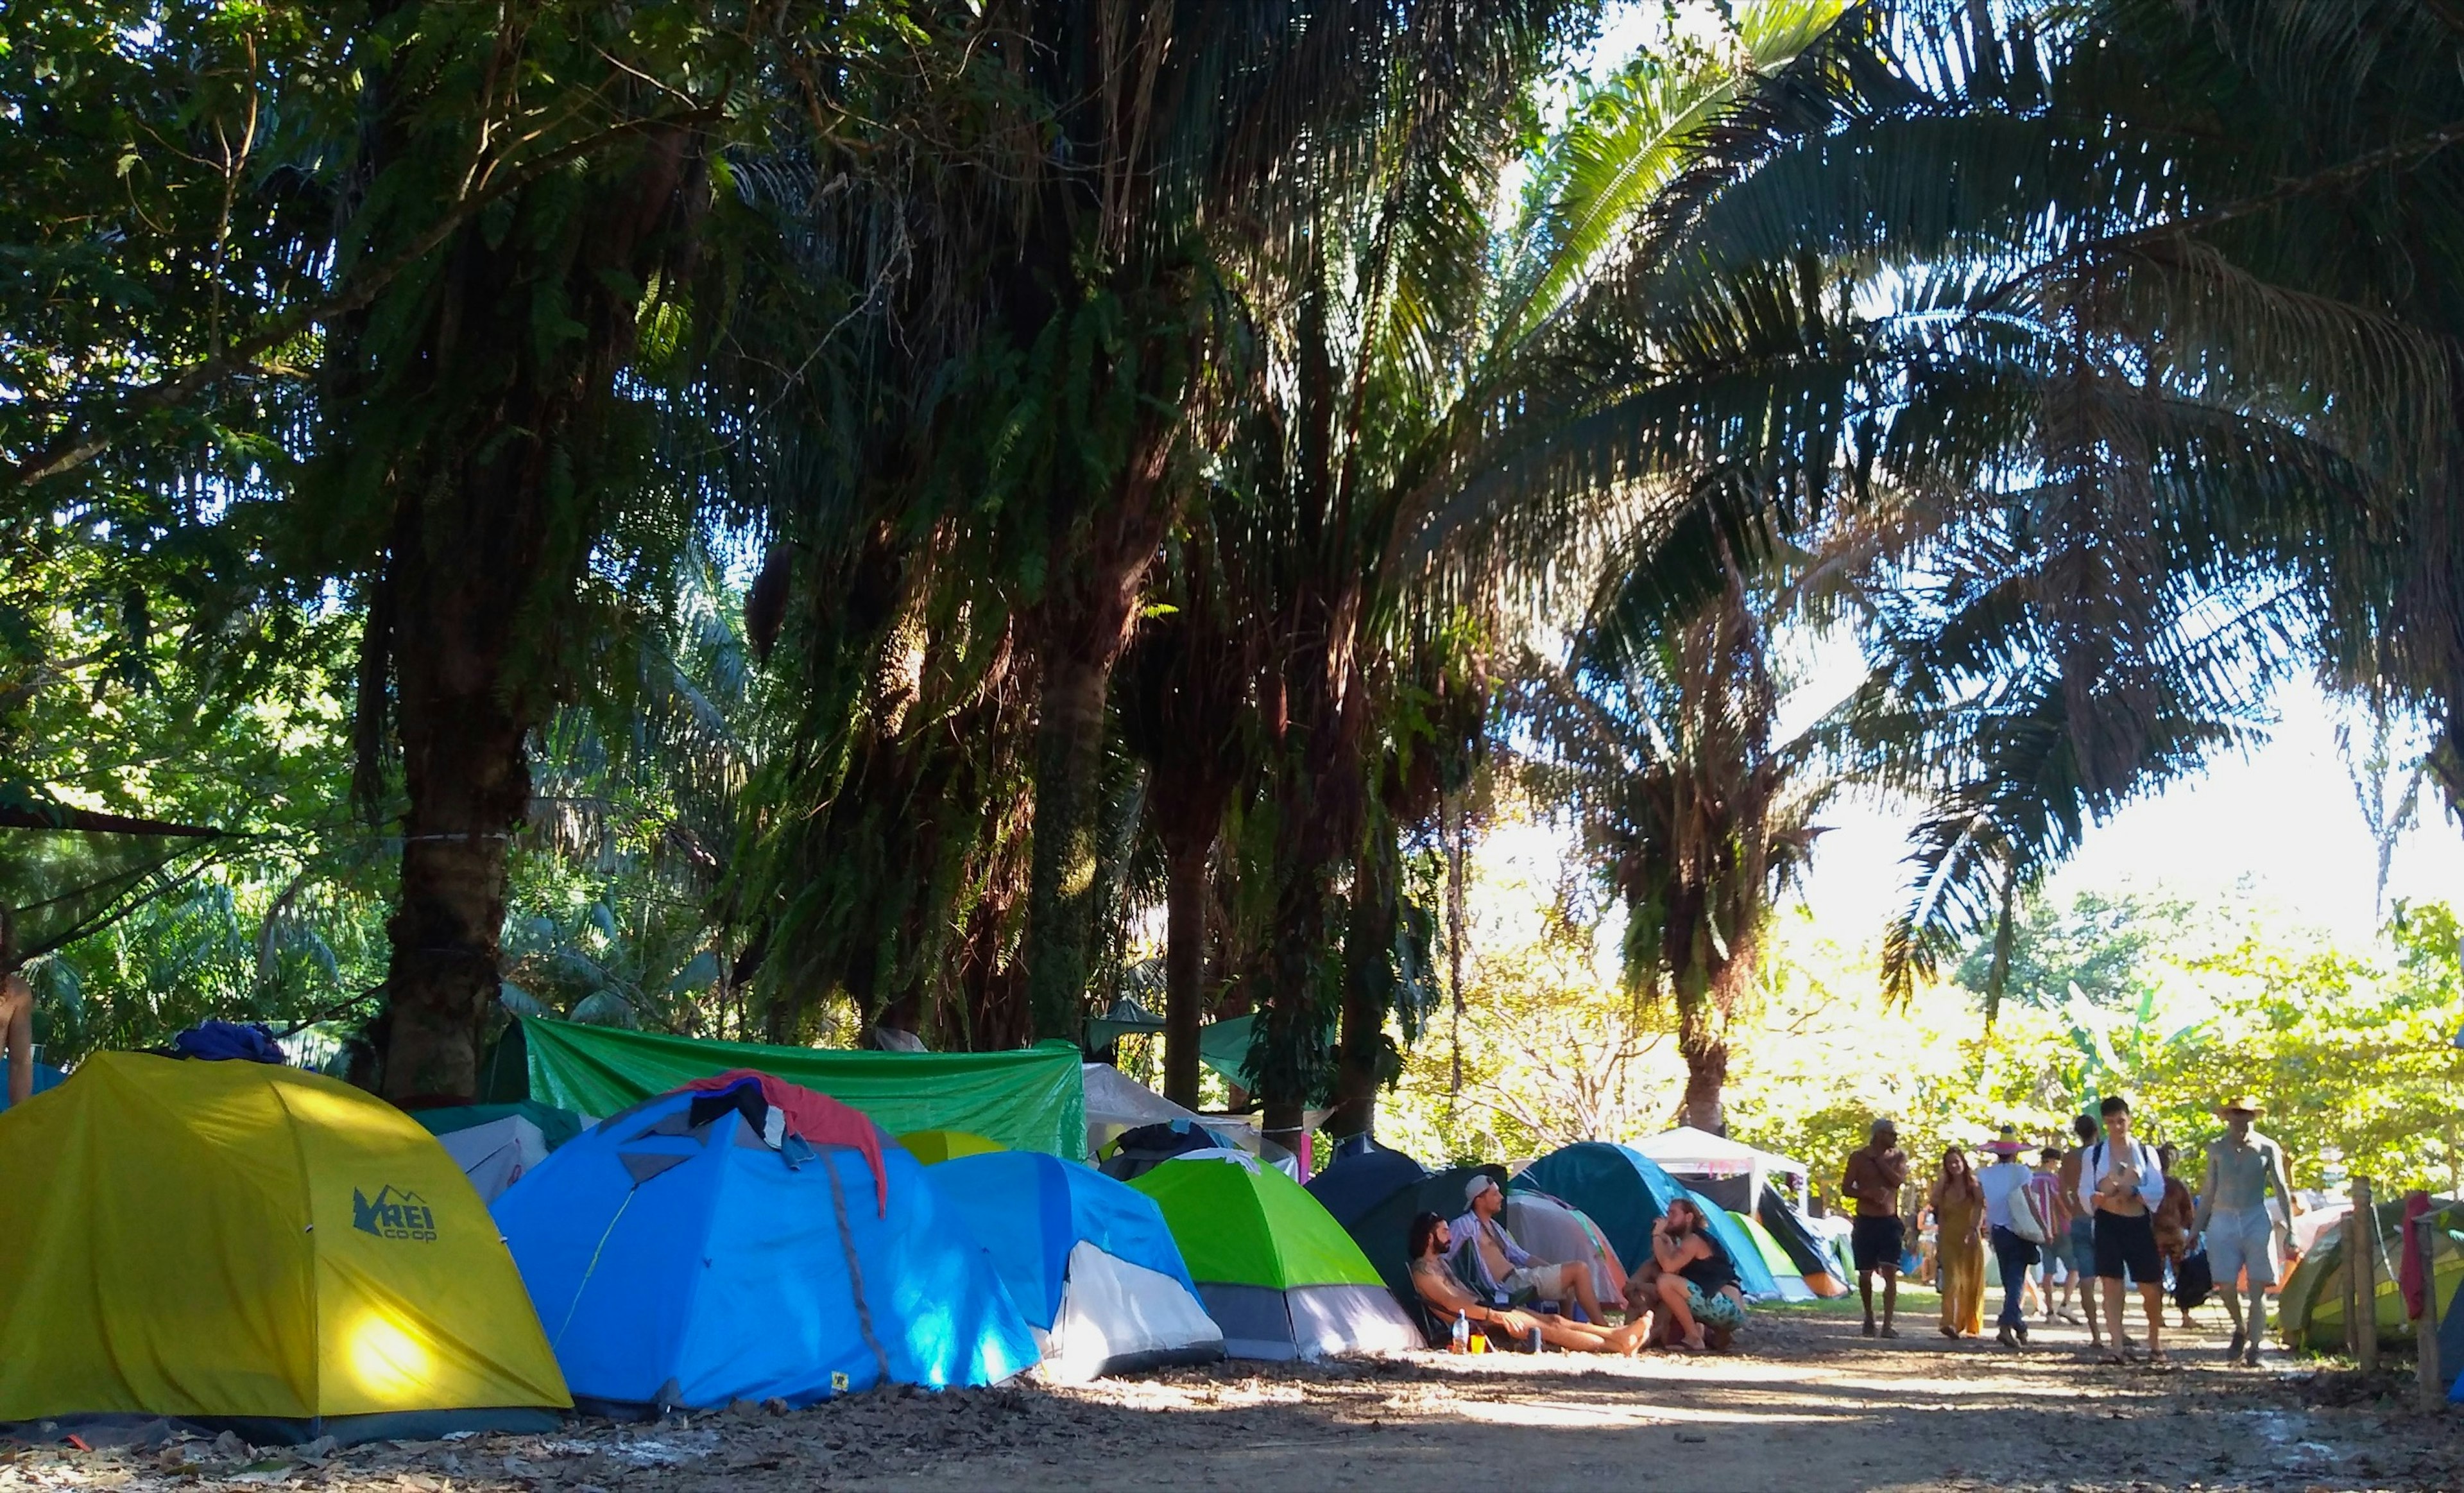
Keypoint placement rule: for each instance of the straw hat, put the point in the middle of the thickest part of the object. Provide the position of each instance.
(2007, 1144)
(2247, 1104)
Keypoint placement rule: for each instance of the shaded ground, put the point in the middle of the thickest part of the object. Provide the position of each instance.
(1809, 1404)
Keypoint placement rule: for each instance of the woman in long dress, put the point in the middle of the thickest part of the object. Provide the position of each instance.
(1959, 1231)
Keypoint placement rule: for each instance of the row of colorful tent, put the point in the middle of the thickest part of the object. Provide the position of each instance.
(253, 1247)
(1593, 1203)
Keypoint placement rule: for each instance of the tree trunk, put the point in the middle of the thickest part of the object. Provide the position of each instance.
(469, 785)
(1368, 980)
(488, 439)
(1086, 624)
(1060, 889)
(1706, 1050)
(1184, 966)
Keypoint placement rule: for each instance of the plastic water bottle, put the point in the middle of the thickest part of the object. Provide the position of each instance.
(1462, 1334)
(1534, 1346)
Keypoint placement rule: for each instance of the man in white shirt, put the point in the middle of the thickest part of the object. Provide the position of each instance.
(2007, 1175)
(1512, 1274)
(2120, 1184)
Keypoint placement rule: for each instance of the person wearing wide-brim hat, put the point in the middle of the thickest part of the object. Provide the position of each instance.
(2014, 1252)
(2244, 1232)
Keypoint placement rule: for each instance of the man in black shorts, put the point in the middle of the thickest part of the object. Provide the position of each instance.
(2120, 1184)
(1873, 1178)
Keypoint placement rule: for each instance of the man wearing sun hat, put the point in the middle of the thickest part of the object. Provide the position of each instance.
(1511, 1273)
(2244, 1232)
(2008, 1175)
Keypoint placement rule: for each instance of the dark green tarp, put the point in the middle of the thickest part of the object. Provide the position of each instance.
(1034, 1100)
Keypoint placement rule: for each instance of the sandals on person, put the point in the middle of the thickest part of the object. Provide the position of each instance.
(1889, 1331)
(1869, 1327)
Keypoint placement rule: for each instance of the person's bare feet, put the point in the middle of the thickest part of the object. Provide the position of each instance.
(1869, 1327)
(1889, 1331)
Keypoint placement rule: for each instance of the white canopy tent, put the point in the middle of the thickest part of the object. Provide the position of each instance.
(1697, 1156)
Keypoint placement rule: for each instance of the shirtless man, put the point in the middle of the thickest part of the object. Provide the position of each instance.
(1877, 1238)
(2120, 1184)
(1508, 1268)
(2243, 1232)
(1430, 1240)
(17, 1015)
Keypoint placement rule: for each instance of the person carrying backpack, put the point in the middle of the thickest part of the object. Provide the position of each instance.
(2120, 1183)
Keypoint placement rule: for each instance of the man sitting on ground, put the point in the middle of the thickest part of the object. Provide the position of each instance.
(1696, 1283)
(1505, 1269)
(1449, 1298)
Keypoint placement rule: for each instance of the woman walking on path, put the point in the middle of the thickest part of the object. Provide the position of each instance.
(1959, 1234)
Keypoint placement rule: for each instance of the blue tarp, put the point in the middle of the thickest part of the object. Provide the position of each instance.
(1031, 1209)
(46, 1076)
(694, 1265)
(1625, 1192)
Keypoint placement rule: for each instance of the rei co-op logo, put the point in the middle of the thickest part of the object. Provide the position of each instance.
(393, 1216)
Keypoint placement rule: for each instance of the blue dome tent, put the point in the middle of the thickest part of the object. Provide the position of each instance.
(749, 1239)
(1088, 1261)
(1625, 1192)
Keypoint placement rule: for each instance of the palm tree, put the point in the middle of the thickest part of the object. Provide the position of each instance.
(1661, 740)
(1431, 393)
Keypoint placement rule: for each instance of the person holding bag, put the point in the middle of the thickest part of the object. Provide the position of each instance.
(2013, 1230)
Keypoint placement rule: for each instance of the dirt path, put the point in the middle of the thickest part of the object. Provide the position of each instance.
(1809, 1405)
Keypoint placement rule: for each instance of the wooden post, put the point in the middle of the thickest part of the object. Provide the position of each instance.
(2361, 1267)
(2425, 1331)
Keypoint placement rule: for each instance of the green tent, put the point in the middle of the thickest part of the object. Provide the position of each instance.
(1792, 1286)
(1034, 1100)
(1277, 1273)
(2310, 1308)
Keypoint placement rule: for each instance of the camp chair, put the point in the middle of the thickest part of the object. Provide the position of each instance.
(1465, 1264)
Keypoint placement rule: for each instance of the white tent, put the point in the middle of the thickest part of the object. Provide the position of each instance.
(1694, 1156)
(497, 1154)
(1556, 1234)
(1116, 1102)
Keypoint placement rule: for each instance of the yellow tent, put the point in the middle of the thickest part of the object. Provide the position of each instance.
(255, 1247)
(934, 1146)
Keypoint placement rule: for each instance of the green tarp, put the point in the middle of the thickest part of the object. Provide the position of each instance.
(1034, 1100)
(1225, 1047)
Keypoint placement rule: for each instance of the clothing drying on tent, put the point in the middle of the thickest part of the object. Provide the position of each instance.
(727, 1243)
(256, 1248)
(2310, 1308)
(934, 1146)
(1277, 1274)
(46, 1078)
(1625, 1192)
(1808, 1254)
(227, 1041)
(1556, 1232)
(1792, 1286)
(1088, 1261)
(496, 1145)
(1141, 1151)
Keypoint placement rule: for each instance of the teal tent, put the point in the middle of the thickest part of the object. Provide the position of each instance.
(1034, 1100)
(1625, 1192)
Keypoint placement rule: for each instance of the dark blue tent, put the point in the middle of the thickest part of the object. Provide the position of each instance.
(1359, 1182)
(1625, 1192)
(679, 1259)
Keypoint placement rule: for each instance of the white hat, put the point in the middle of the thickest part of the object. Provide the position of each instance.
(1481, 1183)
